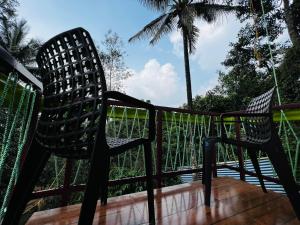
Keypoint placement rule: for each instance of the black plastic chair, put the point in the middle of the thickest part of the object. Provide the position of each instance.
(72, 123)
(260, 134)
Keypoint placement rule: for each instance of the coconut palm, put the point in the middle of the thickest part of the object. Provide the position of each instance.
(181, 14)
(13, 35)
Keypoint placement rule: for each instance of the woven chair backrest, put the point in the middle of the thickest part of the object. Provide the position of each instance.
(258, 129)
(73, 85)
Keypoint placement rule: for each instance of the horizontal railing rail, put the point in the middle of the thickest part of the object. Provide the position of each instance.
(10, 64)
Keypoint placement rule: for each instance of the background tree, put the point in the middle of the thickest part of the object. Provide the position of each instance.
(213, 102)
(112, 58)
(289, 73)
(181, 14)
(248, 63)
(292, 19)
(13, 37)
(7, 9)
(289, 76)
(13, 33)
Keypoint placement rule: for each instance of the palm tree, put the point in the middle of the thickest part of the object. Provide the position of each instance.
(13, 35)
(181, 14)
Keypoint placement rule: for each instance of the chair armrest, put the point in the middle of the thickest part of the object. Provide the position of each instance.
(239, 114)
(137, 103)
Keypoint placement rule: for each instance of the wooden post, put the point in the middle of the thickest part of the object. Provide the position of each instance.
(65, 197)
(214, 153)
(159, 148)
(239, 149)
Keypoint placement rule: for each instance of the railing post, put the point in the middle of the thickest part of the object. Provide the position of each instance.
(239, 149)
(65, 197)
(214, 159)
(159, 134)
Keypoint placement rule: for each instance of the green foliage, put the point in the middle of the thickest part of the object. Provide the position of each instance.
(212, 102)
(295, 6)
(13, 34)
(125, 188)
(248, 63)
(289, 76)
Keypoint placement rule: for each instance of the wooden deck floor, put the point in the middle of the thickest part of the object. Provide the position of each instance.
(233, 202)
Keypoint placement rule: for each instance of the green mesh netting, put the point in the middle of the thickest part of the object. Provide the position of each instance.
(16, 105)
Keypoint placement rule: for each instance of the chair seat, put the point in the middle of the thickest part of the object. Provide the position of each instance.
(118, 145)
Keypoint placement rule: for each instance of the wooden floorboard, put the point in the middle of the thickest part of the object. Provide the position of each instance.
(233, 202)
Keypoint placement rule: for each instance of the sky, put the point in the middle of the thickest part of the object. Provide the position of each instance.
(158, 71)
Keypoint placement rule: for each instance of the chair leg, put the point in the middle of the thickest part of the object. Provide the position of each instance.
(253, 156)
(203, 161)
(34, 163)
(281, 165)
(93, 186)
(208, 146)
(149, 177)
(104, 188)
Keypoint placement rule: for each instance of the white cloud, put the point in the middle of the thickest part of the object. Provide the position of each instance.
(155, 82)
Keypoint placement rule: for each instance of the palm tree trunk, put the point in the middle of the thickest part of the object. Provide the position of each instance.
(187, 70)
(291, 23)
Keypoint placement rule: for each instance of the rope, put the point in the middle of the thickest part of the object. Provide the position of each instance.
(10, 130)
(5, 90)
(271, 51)
(256, 51)
(22, 139)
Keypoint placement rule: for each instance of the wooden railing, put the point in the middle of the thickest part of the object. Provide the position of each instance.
(66, 189)
(209, 123)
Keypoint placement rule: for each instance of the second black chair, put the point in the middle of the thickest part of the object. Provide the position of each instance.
(260, 134)
(72, 123)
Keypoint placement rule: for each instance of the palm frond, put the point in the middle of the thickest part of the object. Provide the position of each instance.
(210, 12)
(186, 23)
(150, 29)
(165, 27)
(192, 37)
(159, 5)
(5, 33)
(13, 38)
(19, 32)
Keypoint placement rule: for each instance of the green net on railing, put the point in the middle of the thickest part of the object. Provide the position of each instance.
(288, 127)
(122, 122)
(182, 137)
(16, 106)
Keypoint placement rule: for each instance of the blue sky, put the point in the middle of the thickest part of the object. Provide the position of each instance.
(158, 70)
